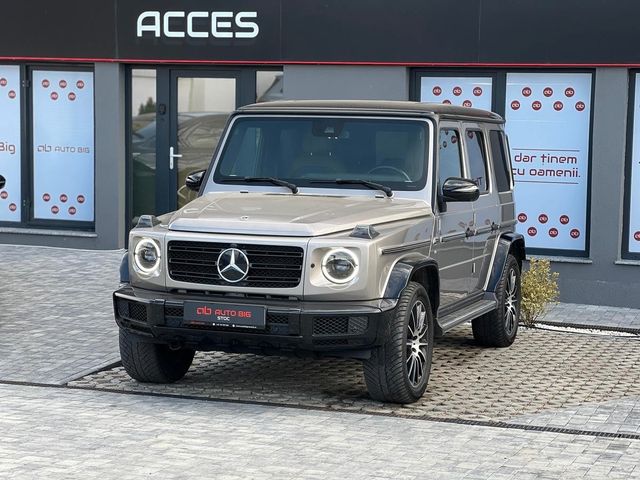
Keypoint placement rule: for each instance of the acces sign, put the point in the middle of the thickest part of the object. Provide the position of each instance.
(198, 24)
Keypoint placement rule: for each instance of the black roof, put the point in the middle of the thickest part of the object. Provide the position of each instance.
(372, 106)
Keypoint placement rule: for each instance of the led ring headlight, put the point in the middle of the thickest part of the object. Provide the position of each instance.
(339, 265)
(147, 256)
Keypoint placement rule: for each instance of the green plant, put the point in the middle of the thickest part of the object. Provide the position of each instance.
(539, 289)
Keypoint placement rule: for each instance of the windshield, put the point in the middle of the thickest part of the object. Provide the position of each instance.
(307, 151)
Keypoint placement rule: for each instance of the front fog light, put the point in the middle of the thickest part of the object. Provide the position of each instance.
(146, 256)
(340, 265)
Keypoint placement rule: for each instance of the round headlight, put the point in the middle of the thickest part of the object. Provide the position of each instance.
(339, 265)
(147, 256)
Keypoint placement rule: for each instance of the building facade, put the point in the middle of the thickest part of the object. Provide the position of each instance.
(106, 107)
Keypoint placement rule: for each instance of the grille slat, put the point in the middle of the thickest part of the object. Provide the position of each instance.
(270, 266)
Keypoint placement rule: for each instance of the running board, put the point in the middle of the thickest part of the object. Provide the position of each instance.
(467, 313)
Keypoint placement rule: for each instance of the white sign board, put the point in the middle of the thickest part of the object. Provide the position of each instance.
(10, 154)
(461, 91)
(63, 145)
(634, 204)
(548, 123)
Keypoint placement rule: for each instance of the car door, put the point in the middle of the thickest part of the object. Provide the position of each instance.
(454, 250)
(486, 210)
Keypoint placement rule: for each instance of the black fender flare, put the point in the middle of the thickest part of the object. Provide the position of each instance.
(124, 269)
(508, 242)
(403, 271)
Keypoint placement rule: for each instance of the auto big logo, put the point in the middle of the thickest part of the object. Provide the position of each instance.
(543, 218)
(477, 91)
(515, 105)
(536, 105)
(532, 231)
(526, 91)
(636, 236)
(437, 91)
(553, 232)
(457, 91)
(580, 106)
(547, 92)
(522, 217)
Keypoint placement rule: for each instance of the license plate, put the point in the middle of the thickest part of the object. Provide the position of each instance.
(224, 315)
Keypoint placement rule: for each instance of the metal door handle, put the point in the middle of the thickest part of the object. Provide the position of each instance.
(172, 157)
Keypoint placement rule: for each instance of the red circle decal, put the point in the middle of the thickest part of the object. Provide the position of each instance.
(3, 82)
(542, 218)
(457, 91)
(515, 105)
(80, 84)
(55, 209)
(526, 91)
(54, 96)
(72, 96)
(536, 105)
(64, 198)
(522, 217)
(564, 219)
(532, 231)
(45, 83)
(553, 232)
(470, 134)
(558, 106)
(63, 84)
(80, 198)
(46, 197)
(12, 94)
(436, 90)
(447, 102)
(477, 91)
(569, 92)
(4, 195)
(580, 106)
(547, 92)
(637, 236)
(575, 233)
(467, 103)
(13, 207)
(454, 139)
(72, 210)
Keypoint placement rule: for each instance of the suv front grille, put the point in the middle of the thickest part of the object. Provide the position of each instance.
(270, 266)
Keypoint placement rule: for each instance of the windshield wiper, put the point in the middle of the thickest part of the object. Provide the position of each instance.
(373, 185)
(275, 181)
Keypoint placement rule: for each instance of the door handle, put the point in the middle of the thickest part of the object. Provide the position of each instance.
(172, 157)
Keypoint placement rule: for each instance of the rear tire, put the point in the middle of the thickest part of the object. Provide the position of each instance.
(500, 327)
(151, 362)
(398, 371)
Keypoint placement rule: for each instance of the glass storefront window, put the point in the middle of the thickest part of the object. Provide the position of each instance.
(473, 92)
(10, 152)
(631, 240)
(269, 86)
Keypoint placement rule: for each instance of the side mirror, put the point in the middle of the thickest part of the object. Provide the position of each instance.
(194, 180)
(460, 190)
(3, 181)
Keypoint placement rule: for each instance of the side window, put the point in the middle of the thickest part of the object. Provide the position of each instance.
(478, 171)
(450, 154)
(501, 164)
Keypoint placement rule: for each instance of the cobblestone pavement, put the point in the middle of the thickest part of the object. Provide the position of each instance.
(60, 433)
(543, 370)
(56, 318)
(595, 315)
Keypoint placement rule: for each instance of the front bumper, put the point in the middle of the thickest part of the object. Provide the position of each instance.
(350, 329)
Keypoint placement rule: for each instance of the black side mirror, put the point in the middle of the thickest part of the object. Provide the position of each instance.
(194, 180)
(3, 181)
(460, 190)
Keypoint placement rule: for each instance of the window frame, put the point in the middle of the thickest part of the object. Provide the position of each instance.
(625, 252)
(487, 169)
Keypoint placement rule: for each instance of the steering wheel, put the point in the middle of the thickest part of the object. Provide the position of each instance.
(393, 169)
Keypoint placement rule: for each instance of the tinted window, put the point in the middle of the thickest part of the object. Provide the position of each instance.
(450, 155)
(500, 160)
(477, 159)
(307, 151)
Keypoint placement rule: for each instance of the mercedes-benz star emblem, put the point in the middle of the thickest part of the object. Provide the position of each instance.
(233, 265)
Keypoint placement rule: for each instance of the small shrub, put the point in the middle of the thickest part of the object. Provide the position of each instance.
(539, 289)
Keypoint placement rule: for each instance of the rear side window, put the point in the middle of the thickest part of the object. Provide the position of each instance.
(477, 159)
(501, 164)
(450, 154)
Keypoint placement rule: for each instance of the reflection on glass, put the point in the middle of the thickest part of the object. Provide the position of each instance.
(204, 104)
(143, 142)
(269, 86)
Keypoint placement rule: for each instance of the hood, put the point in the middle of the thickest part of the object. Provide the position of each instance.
(289, 215)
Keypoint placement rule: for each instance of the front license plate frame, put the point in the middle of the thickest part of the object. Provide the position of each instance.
(216, 314)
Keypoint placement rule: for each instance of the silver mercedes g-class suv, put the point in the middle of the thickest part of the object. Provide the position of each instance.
(355, 229)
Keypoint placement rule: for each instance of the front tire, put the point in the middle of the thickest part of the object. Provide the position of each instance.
(500, 327)
(398, 371)
(152, 362)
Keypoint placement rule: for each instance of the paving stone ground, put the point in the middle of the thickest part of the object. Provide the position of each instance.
(56, 319)
(578, 314)
(58, 433)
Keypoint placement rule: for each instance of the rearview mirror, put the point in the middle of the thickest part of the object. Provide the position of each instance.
(194, 180)
(460, 190)
(3, 181)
